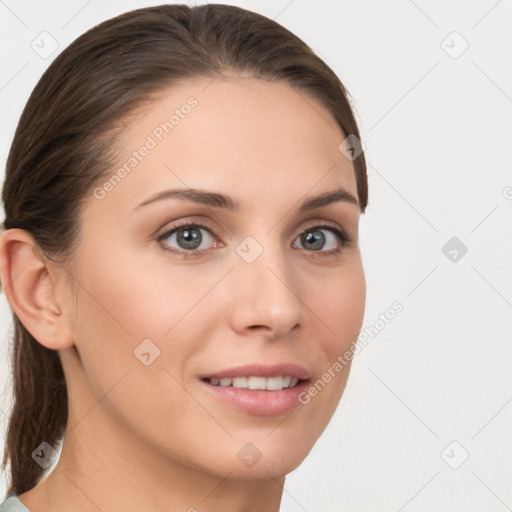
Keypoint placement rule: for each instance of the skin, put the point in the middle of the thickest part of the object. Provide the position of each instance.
(148, 437)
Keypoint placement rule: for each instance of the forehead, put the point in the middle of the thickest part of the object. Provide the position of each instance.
(244, 134)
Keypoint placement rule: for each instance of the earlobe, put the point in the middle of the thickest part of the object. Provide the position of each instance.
(29, 288)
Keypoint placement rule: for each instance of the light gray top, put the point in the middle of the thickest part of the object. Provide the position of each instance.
(13, 504)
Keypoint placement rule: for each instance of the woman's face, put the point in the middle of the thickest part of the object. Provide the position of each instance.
(151, 324)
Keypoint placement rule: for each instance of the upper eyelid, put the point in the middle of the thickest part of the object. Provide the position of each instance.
(325, 224)
(182, 224)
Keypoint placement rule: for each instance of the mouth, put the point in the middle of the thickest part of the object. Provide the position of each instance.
(255, 382)
(259, 389)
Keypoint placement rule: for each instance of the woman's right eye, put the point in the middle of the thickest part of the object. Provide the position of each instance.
(188, 238)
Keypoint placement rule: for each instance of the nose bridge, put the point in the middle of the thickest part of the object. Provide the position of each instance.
(264, 286)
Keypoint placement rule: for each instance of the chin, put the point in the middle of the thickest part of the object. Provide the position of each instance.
(261, 455)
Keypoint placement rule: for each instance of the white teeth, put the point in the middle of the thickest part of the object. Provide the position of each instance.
(274, 383)
(286, 382)
(257, 383)
(240, 382)
(254, 382)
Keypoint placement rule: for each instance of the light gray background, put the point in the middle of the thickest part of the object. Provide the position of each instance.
(437, 125)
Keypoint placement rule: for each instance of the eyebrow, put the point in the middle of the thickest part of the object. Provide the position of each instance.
(218, 200)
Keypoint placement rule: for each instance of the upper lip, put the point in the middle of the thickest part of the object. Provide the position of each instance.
(261, 370)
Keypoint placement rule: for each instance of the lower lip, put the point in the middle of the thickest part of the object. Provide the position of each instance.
(258, 401)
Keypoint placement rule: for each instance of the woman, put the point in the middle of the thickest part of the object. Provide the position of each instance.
(181, 256)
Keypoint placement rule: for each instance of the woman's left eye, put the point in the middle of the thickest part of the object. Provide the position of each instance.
(189, 237)
(315, 238)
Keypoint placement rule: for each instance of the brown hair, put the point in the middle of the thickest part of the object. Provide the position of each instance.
(62, 147)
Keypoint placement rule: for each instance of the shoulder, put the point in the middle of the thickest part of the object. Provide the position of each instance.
(13, 504)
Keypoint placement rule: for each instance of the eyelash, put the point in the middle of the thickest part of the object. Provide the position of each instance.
(345, 239)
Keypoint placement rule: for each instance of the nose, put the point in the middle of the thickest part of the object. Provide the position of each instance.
(265, 296)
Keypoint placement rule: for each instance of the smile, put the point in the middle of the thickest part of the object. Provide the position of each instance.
(253, 382)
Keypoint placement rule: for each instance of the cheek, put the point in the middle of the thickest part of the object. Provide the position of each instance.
(122, 302)
(337, 310)
(120, 306)
(144, 298)
(339, 304)
(348, 317)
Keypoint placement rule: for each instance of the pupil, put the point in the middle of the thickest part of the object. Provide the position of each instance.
(315, 241)
(189, 238)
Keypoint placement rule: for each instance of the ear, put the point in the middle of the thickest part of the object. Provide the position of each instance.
(29, 285)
